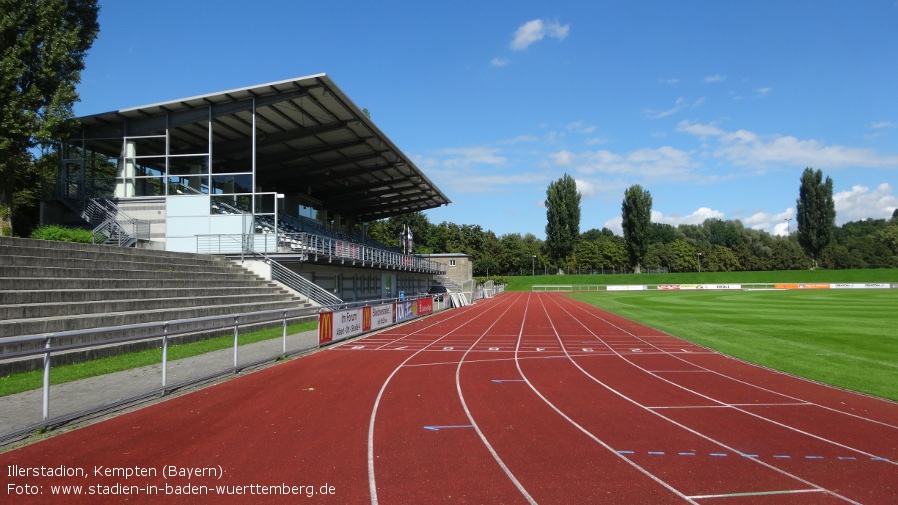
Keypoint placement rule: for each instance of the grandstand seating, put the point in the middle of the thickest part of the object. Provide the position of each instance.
(54, 286)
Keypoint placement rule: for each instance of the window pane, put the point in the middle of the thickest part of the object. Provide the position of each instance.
(233, 204)
(229, 184)
(192, 138)
(149, 186)
(145, 146)
(188, 165)
(196, 185)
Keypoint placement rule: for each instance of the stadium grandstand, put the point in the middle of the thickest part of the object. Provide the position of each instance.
(284, 175)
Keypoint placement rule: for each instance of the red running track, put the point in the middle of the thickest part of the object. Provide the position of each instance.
(525, 398)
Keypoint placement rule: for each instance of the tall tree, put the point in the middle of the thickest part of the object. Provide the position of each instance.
(816, 214)
(636, 215)
(42, 48)
(563, 218)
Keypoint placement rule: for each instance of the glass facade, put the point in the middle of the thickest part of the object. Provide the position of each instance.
(202, 157)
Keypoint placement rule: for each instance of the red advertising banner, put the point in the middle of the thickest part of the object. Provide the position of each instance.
(366, 319)
(425, 306)
(325, 327)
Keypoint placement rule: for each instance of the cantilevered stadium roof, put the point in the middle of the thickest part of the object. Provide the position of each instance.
(311, 141)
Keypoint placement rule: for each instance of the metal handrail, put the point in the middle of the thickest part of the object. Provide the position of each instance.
(280, 273)
(300, 284)
(114, 223)
(47, 344)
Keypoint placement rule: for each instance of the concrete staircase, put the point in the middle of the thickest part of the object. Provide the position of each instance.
(55, 286)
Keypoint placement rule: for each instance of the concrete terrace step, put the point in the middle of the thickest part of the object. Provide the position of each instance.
(123, 271)
(103, 253)
(23, 297)
(124, 264)
(149, 254)
(41, 310)
(53, 287)
(19, 327)
(62, 283)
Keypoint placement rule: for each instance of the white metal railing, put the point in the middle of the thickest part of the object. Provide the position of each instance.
(300, 284)
(47, 344)
(109, 221)
(167, 333)
(243, 244)
(316, 247)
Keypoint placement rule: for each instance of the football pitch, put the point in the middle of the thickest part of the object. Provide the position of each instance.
(845, 338)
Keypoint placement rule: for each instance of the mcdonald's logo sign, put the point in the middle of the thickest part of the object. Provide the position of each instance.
(325, 327)
(366, 319)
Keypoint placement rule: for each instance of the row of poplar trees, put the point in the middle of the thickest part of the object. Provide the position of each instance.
(816, 217)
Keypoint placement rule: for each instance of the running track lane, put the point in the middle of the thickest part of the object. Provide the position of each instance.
(523, 398)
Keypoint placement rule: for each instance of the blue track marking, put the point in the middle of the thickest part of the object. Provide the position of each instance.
(754, 456)
(438, 428)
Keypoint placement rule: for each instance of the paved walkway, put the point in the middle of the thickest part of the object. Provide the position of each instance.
(22, 410)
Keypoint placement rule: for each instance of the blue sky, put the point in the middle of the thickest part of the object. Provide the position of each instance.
(715, 107)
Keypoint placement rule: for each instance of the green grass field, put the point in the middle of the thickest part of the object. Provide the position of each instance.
(846, 338)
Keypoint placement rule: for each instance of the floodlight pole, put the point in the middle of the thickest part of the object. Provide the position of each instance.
(699, 262)
(533, 265)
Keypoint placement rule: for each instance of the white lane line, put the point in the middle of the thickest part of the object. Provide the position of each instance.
(587, 432)
(372, 481)
(684, 427)
(736, 406)
(758, 493)
(480, 434)
(711, 351)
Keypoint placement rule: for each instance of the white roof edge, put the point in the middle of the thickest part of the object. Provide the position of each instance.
(234, 90)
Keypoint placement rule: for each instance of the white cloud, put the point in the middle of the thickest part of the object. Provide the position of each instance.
(665, 163)
(536, 30)
(679, 105)
(499, 62)
(563, 158)
(615, 224)
(743, 147)
(475, 169)
(669, 81)
(763, 91)
(697, 217)
(521, 139)
(715, 78)
(883, 124)
(861, 203)
(585, 188)
(775, 224)
(467, 156)
(700, 130)
(579, 127)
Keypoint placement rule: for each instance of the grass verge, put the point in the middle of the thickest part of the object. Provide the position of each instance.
(845, 338)
(27, 381)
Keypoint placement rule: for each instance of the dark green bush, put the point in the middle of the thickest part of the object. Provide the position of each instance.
(62, 234)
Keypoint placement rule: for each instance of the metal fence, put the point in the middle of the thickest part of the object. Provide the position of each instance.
(105, 393)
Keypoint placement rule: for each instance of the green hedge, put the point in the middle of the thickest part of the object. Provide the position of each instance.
(62, 234)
